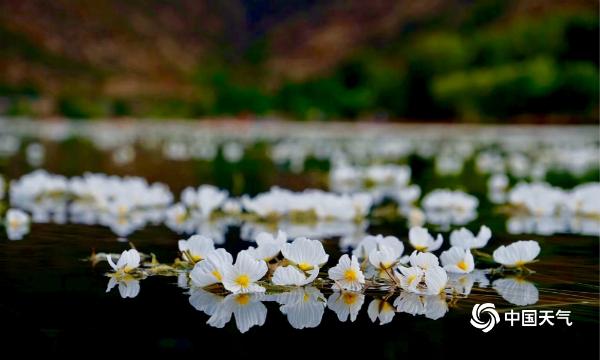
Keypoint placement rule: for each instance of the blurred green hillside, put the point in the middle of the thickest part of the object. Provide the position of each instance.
(484, 60)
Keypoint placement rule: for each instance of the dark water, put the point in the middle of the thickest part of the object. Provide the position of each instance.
(54, 301)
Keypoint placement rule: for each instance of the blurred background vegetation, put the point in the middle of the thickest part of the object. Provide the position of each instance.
(479, 60)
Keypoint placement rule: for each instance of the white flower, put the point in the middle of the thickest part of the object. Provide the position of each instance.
(517, 291)
(421, 240)
(347, 274)
(416, 217)
(436, 279)
(123, 226)
(382, 310)
(209, 198)
(268, 246)
(210, 271)
(465, 239)
(272, 203)
(344, 177)
(458, 260)
(392, 243)
(242, 276)
(179, 220)
(517, 254)
(291, 275)
(498, 182)
(410, 278)
(431, 281)
(128, 261)
(232, 206)
(205, 199)
(445, 207)
(362, 203)
(584, 199)
(365, 246)
(539, 199)
(346, 303)
(404, 260)
(304, 307)
(370, 243)
(331, 206)
(128, 287)
(423, 260)
(17, 224)
(176, 215)
(449, 200)
(197, 246)
(407, 195)
(385, 257)
(213, 229)
(306, 254)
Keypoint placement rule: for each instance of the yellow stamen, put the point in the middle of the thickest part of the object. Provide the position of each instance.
(411, 278)
(462, 265)
(196, 258)
(243, 281)
(180, 219)
(350, 275)
(421, 248)
(305, 266)
(217, 275)
(14, 224)
(122, 211)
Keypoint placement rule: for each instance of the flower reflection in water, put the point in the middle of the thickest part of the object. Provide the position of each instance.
(304, 307)
(128, 286)
(247, 309)
(462, 284)
(346, 304)
(381, 309)
(431, 306)
(517, 291)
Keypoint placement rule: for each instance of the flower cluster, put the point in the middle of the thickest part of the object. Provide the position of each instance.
(289, 273)
(376, 260)
(449, 207)
(311, 204)
(542, 199)
(123, 204)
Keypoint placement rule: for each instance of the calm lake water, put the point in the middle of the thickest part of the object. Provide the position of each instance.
(54, 300)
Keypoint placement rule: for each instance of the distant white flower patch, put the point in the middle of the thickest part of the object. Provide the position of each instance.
(17, 224)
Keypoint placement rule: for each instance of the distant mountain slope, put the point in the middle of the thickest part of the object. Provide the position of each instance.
(155, 47)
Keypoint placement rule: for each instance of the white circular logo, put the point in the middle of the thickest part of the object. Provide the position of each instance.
(492, 315)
